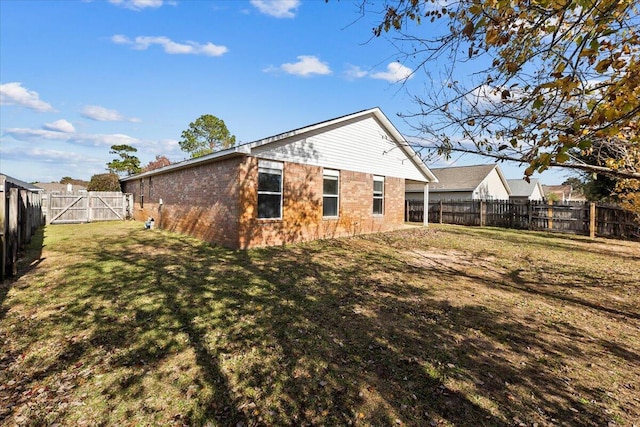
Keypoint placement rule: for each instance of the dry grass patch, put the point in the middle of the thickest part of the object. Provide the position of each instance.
(110, 324)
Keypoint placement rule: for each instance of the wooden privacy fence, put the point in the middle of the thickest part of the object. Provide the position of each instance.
(76, 208)
(589, 219)
(21, 215)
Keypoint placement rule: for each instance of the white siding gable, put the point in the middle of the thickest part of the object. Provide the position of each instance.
(491, 188)
(361, 145)
(537, 193)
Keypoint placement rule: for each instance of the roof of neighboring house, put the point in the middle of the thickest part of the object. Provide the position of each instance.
(463, 178)
(245, 149)
(50, 187)
(522, 188)
(562, 191)
(23, 184)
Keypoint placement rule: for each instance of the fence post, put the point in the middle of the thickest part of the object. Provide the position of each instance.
(23, 208)
(425, 206)
(12, 229)
(483, 208)
(89, 194)
(550, 215)
(3, 228)
(592, 220)
(440, 211)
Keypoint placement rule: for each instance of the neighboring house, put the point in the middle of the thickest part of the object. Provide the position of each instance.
(562, 193)
(523, 190)
(340, 177)
(479, 182)
(57, 188)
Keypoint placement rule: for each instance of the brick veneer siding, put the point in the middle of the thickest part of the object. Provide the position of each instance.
(217, 202)
(302, 207)
(201, 201)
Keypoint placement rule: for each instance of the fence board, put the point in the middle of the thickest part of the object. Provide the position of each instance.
(20, 216)
(76, 208)
(564, 217)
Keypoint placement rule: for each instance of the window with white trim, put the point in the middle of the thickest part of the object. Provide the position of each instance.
(330, 193)
(269, 189)
(378, 195)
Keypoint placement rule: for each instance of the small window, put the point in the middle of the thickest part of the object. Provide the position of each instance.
(269, 189)
(378, 195)
(330, 193)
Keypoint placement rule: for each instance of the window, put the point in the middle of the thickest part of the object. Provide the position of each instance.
(330, 193)
(269, 189)
(378, 195)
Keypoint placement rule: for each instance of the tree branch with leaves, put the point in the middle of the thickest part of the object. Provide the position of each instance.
(555, 81)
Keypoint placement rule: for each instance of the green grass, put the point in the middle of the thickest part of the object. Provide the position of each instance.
(109, 324)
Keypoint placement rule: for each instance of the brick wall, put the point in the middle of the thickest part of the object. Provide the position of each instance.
(201, 201)
(302, 207)
(217, 202)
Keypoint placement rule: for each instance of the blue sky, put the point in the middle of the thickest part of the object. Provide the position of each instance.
(79, 76)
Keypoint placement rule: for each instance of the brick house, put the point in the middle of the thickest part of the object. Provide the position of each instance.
(340, 177)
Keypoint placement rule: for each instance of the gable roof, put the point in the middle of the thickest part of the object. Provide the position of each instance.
(463, 178)
(246, 149)
(51, 187)
(22, 184)
(522, 188)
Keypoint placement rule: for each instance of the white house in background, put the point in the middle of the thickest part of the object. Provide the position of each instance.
(523, 190)
(479, 182)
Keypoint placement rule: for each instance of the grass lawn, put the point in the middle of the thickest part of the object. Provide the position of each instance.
(109, 324)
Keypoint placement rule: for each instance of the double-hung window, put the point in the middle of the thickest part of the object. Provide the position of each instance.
(269, 189)
(330, 193)
(378, 195)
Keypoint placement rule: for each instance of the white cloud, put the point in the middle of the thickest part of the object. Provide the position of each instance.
(47, 156)
(59, 126)
(165, 147)
(15, 94)
(277, 8)
(395, 73)
(138, 4)
(103, 139)
(171, 47)
(354, 72)
(305, 67)
(101, 114)
(25, 134)
(120, 39)
(86, 139)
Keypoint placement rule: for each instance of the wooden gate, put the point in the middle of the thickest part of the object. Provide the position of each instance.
(76, 208)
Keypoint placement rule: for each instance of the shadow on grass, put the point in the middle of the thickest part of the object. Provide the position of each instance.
(29, 259)
(546, 240)
(327, 333)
